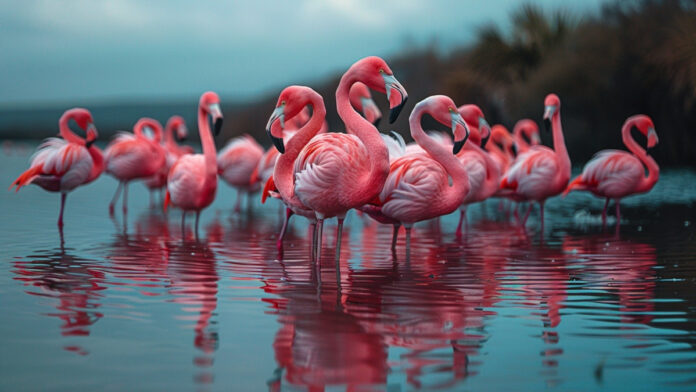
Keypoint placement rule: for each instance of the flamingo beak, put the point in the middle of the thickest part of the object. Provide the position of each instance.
(278, 114)
(396, 100)
(483, 124)
(652, 138)
(91, 135)
(216, 115)
(548, 113)
(181, 133)
(458, 120)
(514, 149)
(371, 111)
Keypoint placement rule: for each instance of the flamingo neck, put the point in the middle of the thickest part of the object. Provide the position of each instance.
(66, 133)
(283, 174)
(451, 198)
(653, 169)
(209, 152)
(377, 151)
(559, 146)
(522, 144)
(169, 136)
(97, 162)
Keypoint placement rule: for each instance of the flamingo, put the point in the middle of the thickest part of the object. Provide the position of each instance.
(334, 172)
(174, 131)
(615, 174)
(361, 100)
(541, 172)
(237, 162)
(192, 181)
(501, 147)
(483, 172)
(524, 130)
(132, 156)
(418, 186)
(61, 165)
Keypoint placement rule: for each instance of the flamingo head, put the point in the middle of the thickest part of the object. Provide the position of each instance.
(292, 101)
(480, 130)
(178, 125)
(210, 105)
(83, 119)
(376, 74)
(552, 104)
(361, 99)
(645, 125)
(444, 111)
(529, 129)
(301, 119)
(150, 128)
(501, 137)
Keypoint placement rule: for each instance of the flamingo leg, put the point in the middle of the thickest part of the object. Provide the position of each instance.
(113, 200)
(63, 196)
(249, 202)
(281, 235)
(462, 219)
(408, 242)
(339, 235)
(198, 216)
(152, 198)
(314, 239)
(618, 211)
(604, 212)
(395, 235)
(320, 229)
(541, 216)
(524, 220)
(183, 224)
(238, 203)
(125, 198)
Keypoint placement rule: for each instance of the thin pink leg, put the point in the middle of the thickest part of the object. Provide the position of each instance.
(541, 216)
(198, 216)
(281, 235)
(63, 196)
(408, 243)
(462, 219)
(320, 229)
(339, 237)
(618, 211)
(115, 198)
(183, 224)
(125, 198)
(238, 204)
(524, 220)
(395, 235)
(604, 212)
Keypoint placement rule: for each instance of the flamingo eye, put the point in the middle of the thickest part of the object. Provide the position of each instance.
(381, 71)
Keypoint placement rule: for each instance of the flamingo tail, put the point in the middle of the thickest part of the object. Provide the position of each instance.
(577, 184)
(27, 177)
(270, 186)
(504, 184)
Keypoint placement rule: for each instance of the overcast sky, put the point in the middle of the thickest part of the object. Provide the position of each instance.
(84, 50)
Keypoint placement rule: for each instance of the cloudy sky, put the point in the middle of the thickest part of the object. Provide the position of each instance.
(85, 50)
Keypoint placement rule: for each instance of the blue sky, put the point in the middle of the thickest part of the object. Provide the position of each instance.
(86, 50)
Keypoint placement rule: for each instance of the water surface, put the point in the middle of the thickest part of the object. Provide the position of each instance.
(135, 304)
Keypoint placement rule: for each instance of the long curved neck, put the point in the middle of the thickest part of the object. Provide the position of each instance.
(653, 170)
(452, 196)
(559, 144)
(208, 144)
(522, 144)
(169, 135)
(369, 135)
(97, 163)
(67, 133)
(283, 174)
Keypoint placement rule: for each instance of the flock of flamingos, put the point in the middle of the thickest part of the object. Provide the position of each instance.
(320, 174)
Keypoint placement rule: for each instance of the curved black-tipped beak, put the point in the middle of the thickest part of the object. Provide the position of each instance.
(547, 125)
(514, 149)
(458, 145)
(217, 125)
(216, 116)
(278, 114)
(548, 113)
(89, 143)
(278, 143)
(376, 122)
(396, 110)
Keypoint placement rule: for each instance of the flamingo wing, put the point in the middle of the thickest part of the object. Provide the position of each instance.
(611, 173)
(532, 172)
(475, 166)
(238, 160)
(412, 187)
(57, 165)
(126, 156)
(185, 181)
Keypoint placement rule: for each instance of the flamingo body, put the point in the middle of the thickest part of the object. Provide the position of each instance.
(131, 157)
(186, 184)
(238, 161)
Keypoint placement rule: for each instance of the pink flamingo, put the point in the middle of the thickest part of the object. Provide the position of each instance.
(483, 172)
(418, 186)
(237, 163)
(334, 172)
(541, 172)
(132, 156)
(174, 131)
(501, 147)
(615, 174)
(361, 100)
(524, 130)
(61, 165)
(192, 181)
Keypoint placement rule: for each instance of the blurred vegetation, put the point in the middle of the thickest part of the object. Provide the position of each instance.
(633, 57)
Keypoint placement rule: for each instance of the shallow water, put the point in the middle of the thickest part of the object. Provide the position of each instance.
(136, 306)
